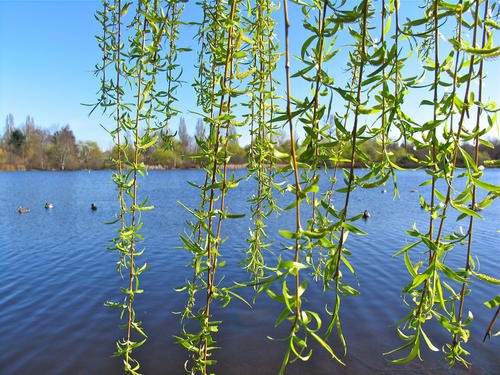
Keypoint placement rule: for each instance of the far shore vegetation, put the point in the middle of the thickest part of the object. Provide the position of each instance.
(29, 147)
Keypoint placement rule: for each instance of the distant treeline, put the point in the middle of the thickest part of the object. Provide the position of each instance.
(29, 147)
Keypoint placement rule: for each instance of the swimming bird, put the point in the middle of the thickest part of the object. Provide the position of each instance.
(93, 207)
(48, 205)
(23, 210)
(366, 214)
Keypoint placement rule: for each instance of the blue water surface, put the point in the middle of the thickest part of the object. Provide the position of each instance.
(57, 273)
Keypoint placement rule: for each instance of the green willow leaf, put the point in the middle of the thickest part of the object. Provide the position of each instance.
(428, 342)
(291, 265)
(415, 350)
(466, 210)
(419, 279)
(493, 302)
(484, 52)
(351, 228)
(486, 185)
(487, 278)
(492, 23)
(288, 234)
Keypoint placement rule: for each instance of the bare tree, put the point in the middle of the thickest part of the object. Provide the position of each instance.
(200, 134)
(9, 125)
(65, 148)
(184, 137)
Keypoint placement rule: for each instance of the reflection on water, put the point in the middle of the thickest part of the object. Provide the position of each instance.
(57, 274)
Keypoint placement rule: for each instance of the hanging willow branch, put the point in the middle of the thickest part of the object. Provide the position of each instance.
(433, 296)
(262, 161)
(134, 53)
(346, 123)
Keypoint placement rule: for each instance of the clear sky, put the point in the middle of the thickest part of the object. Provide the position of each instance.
(47, 59)
(46, 64)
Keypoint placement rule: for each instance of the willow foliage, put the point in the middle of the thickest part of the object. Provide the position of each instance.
(344, 79)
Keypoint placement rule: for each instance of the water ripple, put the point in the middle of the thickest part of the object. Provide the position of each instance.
(57, 274)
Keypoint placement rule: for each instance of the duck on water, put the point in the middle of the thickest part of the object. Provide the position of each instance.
(23, 210)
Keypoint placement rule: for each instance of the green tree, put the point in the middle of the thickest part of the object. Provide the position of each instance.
(90, 155)
(238, 153)
(17, 141)
(165, 158)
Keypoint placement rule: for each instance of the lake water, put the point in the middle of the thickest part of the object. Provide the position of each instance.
(56, 275)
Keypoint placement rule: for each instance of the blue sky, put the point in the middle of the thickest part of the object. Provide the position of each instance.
(46, 66)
